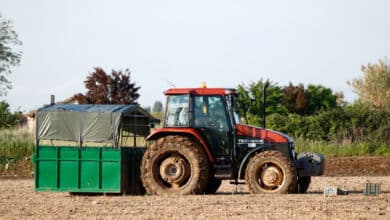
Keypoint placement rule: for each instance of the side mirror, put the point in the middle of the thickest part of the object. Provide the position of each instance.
(151, 125)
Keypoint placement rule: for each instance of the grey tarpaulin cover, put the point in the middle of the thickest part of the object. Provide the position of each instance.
(93, 123)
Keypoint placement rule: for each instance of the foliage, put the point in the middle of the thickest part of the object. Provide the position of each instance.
(15, 144)
(7, 119)
(374, 87)
(289, 100)
(352, 124)
(315, 98)
(369, 124)
(295, 99)
(249, 100)
(157, 106)
(341, 149)
(109, 89)
(9, 57)
(320, 99)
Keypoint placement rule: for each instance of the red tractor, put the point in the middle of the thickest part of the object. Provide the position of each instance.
(203, 142)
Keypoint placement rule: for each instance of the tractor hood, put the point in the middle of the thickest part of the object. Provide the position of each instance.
(262, 134)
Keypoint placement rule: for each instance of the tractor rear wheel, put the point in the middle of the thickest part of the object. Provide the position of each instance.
(270, 172)
(175, 165)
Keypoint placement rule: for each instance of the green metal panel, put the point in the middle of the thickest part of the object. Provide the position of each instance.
(110, 174)
(47, 174)
(89, 178)
(89, 169)
(72, 169)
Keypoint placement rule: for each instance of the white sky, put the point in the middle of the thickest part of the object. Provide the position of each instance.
(223, 43)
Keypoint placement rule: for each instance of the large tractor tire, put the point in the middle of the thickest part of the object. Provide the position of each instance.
(303, 183)
(175, 165)
(270, 172)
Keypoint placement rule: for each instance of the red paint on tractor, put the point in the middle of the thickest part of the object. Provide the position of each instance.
(261, 133)
(161, 131)
(198, 91)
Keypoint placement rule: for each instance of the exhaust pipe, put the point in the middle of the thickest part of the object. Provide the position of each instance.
(263, 114)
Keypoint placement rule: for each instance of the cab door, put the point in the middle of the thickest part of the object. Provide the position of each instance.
(210, 118)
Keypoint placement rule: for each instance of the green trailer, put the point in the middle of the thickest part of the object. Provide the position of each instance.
(90, 148)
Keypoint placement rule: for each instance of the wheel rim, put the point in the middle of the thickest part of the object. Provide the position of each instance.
(174, 171)
(270, 177)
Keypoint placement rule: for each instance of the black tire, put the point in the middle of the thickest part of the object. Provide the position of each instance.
(270, 172)
(303, 183)
(212, 185)
(175, 165)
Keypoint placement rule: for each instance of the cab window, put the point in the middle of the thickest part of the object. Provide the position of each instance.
(177, 111)
(209, 112)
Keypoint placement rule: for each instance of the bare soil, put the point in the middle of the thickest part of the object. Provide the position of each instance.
(358, 166)
(19, 201)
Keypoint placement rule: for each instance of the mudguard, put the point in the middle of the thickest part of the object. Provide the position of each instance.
(248, 156)
(310, 164)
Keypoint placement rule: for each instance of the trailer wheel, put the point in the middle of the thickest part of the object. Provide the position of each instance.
(175, 165)
(270, 172)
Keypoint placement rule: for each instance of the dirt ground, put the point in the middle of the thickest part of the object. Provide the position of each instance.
(19, 201)
(357, 166)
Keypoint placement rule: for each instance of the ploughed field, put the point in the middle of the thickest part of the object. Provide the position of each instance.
(18, 199)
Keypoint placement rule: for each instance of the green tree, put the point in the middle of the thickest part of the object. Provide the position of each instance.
(102, 88)
(320, 99)
(249, 101)
(9, 56)
(157, 106)
(374, 87)
(7, 119)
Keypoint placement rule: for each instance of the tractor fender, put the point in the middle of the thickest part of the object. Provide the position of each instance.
(182, 131)
(248, 156)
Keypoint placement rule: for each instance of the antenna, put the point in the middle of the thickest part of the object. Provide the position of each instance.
(171, 84)
(264, 104)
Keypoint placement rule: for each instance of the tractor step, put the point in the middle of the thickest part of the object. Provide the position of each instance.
(237, 183)
(223, 171)
(223, 176)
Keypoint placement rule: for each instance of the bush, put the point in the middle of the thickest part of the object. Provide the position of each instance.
(7, 119)
(352, 130)
(342, 149)
(15, 144)
(354, 124)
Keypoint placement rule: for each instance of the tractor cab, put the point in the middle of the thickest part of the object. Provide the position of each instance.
(208, 111)
(212, 113)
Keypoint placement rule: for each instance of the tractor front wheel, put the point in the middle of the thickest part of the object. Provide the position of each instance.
(175, 165)
(270, 172)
